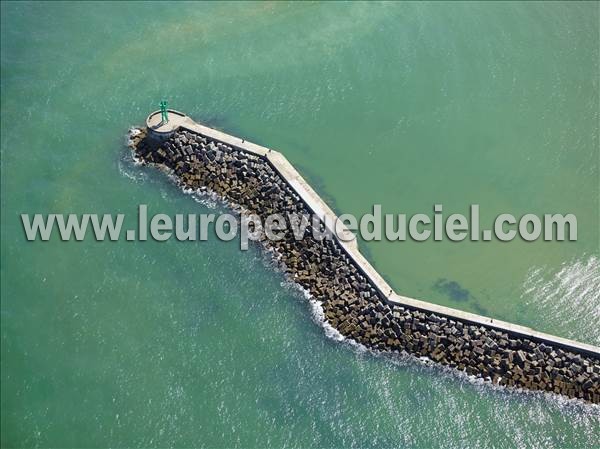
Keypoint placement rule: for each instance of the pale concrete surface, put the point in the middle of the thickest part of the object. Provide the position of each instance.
(176, 119)
(319, 207)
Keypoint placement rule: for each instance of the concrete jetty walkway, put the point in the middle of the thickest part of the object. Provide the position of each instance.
(178, 120)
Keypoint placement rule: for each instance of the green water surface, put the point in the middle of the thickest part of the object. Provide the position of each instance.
(173, 344)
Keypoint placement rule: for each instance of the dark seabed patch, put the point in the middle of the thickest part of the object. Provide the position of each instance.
(479, 309)
(451, 289)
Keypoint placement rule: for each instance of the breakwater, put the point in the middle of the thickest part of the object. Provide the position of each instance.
(354, 298)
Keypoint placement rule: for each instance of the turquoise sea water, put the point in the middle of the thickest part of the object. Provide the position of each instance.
(402, 104)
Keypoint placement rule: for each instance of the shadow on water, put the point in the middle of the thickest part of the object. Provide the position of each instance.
(367, 252)
(218, 122)
(228, 126)
(318, 185)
